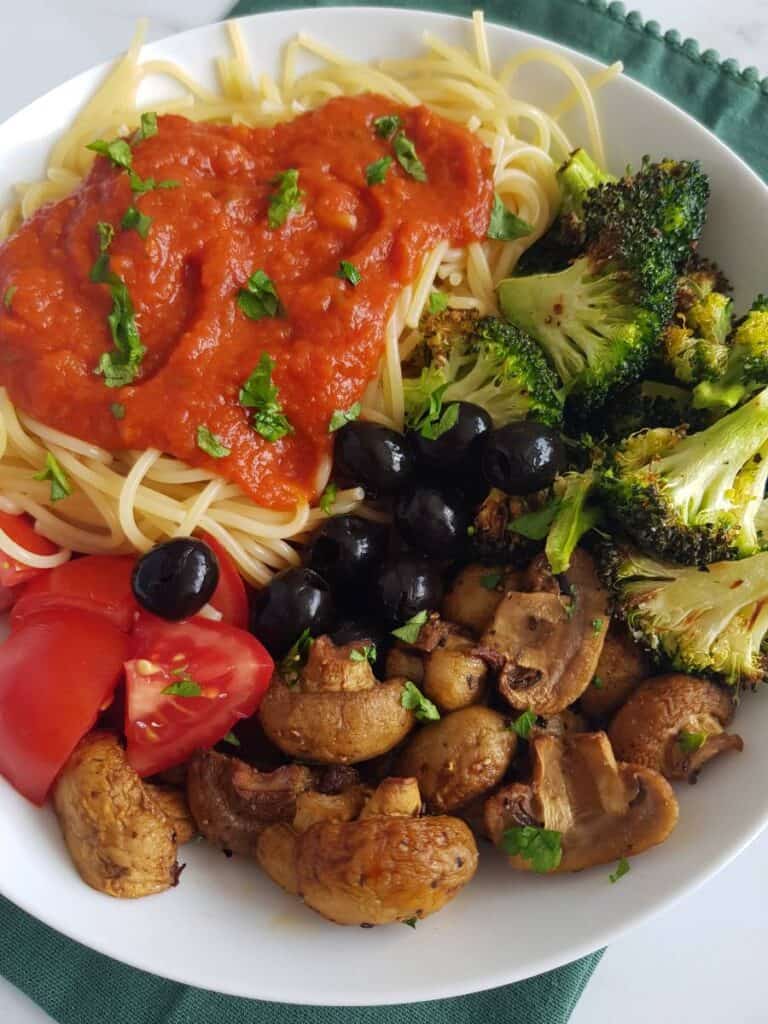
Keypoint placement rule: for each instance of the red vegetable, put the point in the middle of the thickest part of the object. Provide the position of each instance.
(21, 530)
(230, 597)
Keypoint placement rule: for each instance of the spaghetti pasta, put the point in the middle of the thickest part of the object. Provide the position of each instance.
(128, 501)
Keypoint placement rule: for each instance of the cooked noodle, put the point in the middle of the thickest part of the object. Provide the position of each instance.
(128, 501)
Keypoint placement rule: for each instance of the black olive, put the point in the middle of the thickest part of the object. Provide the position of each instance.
(376, 458)
(295, 600)
(175, 579)
(433, 520)
(523, 457)
(459, 447)
(406, 586)
(345, 551)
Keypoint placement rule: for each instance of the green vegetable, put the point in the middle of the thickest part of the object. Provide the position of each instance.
(260, 394)
(118, 410)
(286, 200)
(694, 344)
(540, 846)
(349, 272)
(414, 700)
(598, 683)
(10, 291)
(690, 742)
(376, 173)
(405, 151)
(342, 416)
(119, 367)
(184, 687)
(622, 868)
(411, 922)
(328, 497)
(576, 515)
(597, 625)
(410, 630)
(746, 369)
(259, 298)
(231, 738)
(523, 724)
(366, 653)
(118, 151)
(438, 302)
(536, 525)
(60, 485)
(210, 444)
(296, 658)
(147, 127)
(505, 226)
(491, 580)
(134, 219)
(386, 126)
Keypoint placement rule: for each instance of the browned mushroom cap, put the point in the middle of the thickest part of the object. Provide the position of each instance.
(120, 839)
(336, 712)
(476, 593)
(458, 758)
(174, 803)
(674, 724)
(405, 663)
(547, 645)
(231, 802)
(454, 676)
(383, 867)
(622, 666)
(602, 810)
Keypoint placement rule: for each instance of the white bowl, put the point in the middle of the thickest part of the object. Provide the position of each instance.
(226, 927)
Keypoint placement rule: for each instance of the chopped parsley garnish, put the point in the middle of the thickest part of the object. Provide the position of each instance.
(210, 444)
(413, 699)
(118, 410)
(99, 272)
(120, 366)
(231, 738)
(523, 724)
(147, 127)
(438, 302)
(405, 151)
(287, 198)
(597, 625)
(573, 604)
(409, 631)
(365, 653)
(349, 272)
(411, 922)
(386, 126)
(140, 185)
(60, 485)
(260, 394)
(296, 658)
(184, 687)
(491, 580)
(598, 683)
(690, 742)
(622, 868)
(376, 173)
(535, 525)
(118, 151)
(540, 846)
(505, 226)
(258, 297)
(328, 497)
(426, 414)
(342, 416)
(135, 220)
(10, 291)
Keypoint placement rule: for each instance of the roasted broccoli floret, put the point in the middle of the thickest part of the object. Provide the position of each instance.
(693, 498)
(709, 620)
(694, 343)
(598, 320)
(746, 369)
(649, 403)
(577, 512)
(485, 361)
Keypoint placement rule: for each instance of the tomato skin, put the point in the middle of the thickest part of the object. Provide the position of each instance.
(100, 584)
(230, 597)
(21, 529)
(229, 666)
(8, 596)
(56, 672)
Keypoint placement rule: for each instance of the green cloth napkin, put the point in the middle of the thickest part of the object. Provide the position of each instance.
(77, 986)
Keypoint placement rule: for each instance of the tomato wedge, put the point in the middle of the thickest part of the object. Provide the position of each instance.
(56, 672)
(97, 583)
(21, 529)
(187, 683)
(230, 596)
(8, 596)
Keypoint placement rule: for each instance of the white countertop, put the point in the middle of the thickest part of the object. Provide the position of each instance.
(703, 960)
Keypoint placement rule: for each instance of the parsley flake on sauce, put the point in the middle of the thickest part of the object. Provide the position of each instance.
(135, 220)
(210, 444)
(260, 394)
(60, 485)
(349, 272)
(413, 699)
(505, 226)
(386, 126)
(147, 127)
(340, 417)
(405, 151)
(118, 151)
(376, 173)
(540, 846)
(120, 366)
(10, 291)
(118, 410)
(328, 497)
(258, 298)
(410, 630)
(286, 200)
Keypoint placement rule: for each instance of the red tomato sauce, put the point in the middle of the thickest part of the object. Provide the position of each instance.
(206, 238)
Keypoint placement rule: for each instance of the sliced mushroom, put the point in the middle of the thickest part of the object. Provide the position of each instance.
(231, 802)
(337, 712)
(458, 758)
(313, 807)
(622, 666)
(383, 867)
(174, 803)
(547, 645)
(121, 840)
(674, 724)
(476, 593)
(565, 722)
(602, 809)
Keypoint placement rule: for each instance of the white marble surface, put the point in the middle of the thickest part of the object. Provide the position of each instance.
(704, 959)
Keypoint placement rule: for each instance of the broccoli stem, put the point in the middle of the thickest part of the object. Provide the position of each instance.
(574, 518)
